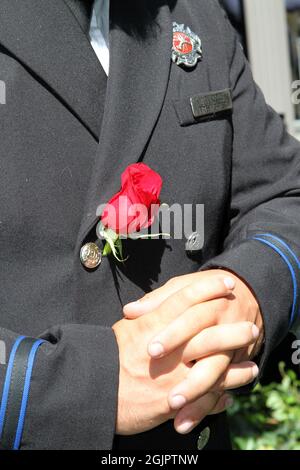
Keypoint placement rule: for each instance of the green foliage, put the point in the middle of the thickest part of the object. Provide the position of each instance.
(268, 418)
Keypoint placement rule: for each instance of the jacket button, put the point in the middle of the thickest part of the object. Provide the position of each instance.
(90, 256)
(194, 242)
(203, 438)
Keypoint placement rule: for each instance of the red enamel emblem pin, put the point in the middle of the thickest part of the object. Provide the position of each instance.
(187, 46)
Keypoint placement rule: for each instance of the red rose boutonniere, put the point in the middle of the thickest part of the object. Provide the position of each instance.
(132, 209)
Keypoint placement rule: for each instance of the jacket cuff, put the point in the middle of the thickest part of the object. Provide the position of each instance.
(73, 393)
(266, 271)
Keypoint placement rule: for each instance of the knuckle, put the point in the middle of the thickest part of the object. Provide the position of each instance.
(194, 291)
(187, 294)
(172, 282)
(201, 289)
(221, 305)
(178, 298)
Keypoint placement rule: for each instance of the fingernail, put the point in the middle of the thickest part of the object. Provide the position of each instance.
(255, 371)
(132, 304)
(177, 401)
(156, 349)
(255, 331)
(229, 283)
(132, 307)
(229, 402)
(185, 427)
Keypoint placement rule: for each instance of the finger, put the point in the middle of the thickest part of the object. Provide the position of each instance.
(153, 299)
(192, 415)
(220, 338)
(201, 378)
(185, 326)
(225, 402)
(208, 287)
(237, 375)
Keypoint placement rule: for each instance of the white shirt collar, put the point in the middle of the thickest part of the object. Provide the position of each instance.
(99, 32)
(101, 17)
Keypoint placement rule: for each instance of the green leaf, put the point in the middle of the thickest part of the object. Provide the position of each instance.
(269, 417)
(119, 247)
(107, 249)
(113, 244)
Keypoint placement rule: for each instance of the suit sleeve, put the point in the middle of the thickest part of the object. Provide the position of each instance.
(262, 245)
(59, 391)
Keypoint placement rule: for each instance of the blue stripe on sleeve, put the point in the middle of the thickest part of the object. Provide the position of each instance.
(294, 279)
(26, 390)
(7, 381)
(284, 244)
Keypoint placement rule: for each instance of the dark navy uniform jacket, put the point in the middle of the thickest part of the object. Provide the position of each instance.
(66, 136)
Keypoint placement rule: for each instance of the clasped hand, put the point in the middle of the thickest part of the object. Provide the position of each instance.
(182, 346)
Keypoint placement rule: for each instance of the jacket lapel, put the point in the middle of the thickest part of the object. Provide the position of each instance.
(82, 10)
(140, 59)
(47, 39)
